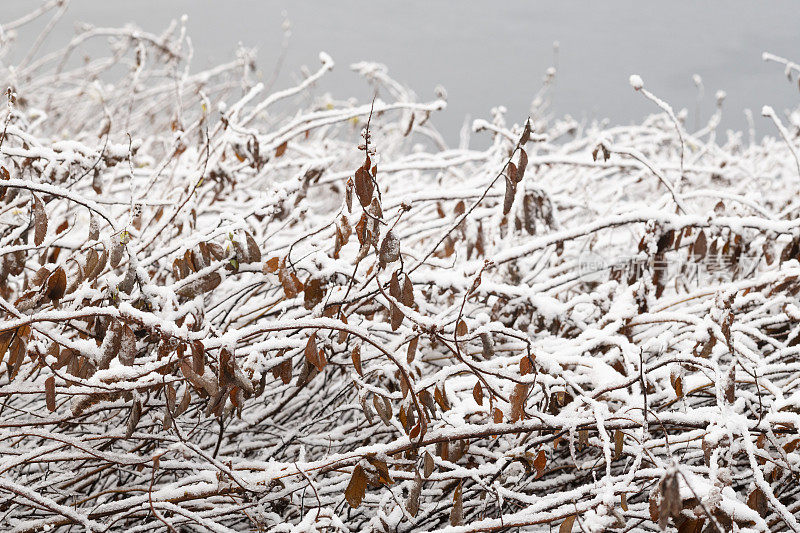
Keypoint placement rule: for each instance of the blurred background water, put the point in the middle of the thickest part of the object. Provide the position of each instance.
(495, 53)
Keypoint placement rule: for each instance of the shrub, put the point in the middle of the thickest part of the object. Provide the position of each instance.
(224, 317)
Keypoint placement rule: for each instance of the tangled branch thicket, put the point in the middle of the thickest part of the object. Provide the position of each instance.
(226, 317)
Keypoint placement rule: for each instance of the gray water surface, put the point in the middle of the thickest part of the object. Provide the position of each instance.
(496, 53)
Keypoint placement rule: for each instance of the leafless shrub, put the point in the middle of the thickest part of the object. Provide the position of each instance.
(214, 318)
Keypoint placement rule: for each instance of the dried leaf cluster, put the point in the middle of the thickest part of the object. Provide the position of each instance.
(216, 315)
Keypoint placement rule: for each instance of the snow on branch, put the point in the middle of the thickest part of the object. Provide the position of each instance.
(227, 310)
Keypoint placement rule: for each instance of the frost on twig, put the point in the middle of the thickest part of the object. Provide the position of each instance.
(216, 316)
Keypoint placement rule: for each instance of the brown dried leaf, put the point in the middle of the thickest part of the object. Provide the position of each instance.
(91, 263)
(619, 441)
(216, 251)
(692, 525)
(671, 503)
(272, 265)
(699, 248)
(38, 279)
(511, 170)
(133, 418)
(169, 405)
(412, 503)
(525, 365)
(94, 229)
(477, 393)
(50, 393)
(361, 229)
(526, 133)
(185, 401)
(348, 195)
(16, 355)
(198, 356)
(283, 371)
(487, 346)
(101, 264)
(677, 384)
(312, 293)
(394, 286)
(517, 399)
(523, 164)
(457, 511)
(116, 253)
(758, 502)
(730, 385)
(57, 284)
(390, 250)
(396, 317)
(291, 285)
(253, 251)
(441, 399)
(364, 187)
(384, 476)
(111, 343)
(127, 346)
(312, 353)
(566, 525)
(655, 495)
(407, 296)
(412, 350)
(508, 200)
(357, 487)
(429, 465)
(207, 283)
(356, 357)
(39, 221)
(540, 463)
(383, 407)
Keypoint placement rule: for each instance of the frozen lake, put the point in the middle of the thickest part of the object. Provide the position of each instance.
(490, 53)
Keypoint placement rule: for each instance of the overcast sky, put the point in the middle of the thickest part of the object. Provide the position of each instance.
(490, 53)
